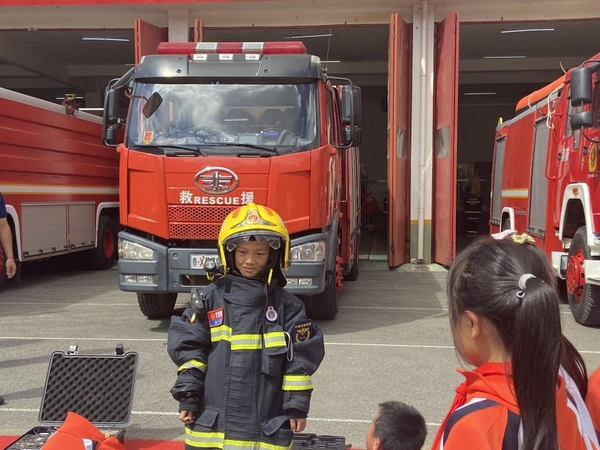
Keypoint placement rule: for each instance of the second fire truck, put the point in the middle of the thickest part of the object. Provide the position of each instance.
(546, 181)
(211, 126)
(59, 182)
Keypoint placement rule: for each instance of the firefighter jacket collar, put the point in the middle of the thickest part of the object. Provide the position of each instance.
(243, 291)
(277, 278)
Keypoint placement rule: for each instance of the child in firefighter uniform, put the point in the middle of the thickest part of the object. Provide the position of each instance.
(527, 388)
(244, 348)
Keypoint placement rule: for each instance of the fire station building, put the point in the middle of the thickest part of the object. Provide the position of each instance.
(437, 76)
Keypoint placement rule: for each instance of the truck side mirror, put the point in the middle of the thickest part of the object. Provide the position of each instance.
(581, 86)
(581, 120)
(351, 107)
(351, 136)
(111, 107)
(346, 135)
(152, 105)
(356, 95)
(109, 136)
(111, 117)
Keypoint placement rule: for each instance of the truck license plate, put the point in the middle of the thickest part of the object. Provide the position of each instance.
(197, 261)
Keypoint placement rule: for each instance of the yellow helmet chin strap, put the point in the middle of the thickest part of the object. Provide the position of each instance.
(270, 276)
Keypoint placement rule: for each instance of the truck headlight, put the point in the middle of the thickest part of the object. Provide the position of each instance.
(133, 251)
(309, 252)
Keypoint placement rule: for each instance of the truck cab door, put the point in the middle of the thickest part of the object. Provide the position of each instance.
(198, 30)
(398, 140)
(444, 150)
(147, 38)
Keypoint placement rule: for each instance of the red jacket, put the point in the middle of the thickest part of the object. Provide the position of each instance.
(592, 399)
(485, 415)
(77, 433)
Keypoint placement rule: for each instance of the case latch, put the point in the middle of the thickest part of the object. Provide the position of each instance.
(72, 350)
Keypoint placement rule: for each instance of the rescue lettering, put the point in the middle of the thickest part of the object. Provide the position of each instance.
(216, 200)
(187, 198)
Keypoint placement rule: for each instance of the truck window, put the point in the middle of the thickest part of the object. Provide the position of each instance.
(219, 116)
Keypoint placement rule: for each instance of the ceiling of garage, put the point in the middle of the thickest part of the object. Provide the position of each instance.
(46, 63)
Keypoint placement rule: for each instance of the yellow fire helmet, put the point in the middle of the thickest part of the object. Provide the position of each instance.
(258, 222)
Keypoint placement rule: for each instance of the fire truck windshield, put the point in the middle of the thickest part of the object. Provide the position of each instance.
(216, 117)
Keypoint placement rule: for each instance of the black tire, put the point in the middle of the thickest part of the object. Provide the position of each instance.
(324, 306)
(157, 306)
(584, 299)
(506, 224)
(105, 254)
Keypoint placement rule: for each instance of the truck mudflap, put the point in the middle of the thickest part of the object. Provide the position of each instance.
(172, 270)
(592, 271)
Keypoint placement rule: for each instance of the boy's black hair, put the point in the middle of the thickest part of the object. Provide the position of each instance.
(399, 426)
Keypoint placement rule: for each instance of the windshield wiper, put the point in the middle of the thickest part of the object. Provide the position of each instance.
(238, 144)
(167, 148)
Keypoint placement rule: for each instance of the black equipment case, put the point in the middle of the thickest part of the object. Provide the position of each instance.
(310, 441)
(97, 387)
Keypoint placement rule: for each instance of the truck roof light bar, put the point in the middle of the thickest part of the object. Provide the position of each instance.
(265, 48)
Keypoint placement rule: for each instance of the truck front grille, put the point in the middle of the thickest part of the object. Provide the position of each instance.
(196, 222)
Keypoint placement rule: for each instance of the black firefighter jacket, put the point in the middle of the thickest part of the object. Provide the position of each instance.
(245, 362)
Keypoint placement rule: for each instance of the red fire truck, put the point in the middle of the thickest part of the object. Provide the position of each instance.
(211, 126)
(546, 181)
(59, 182)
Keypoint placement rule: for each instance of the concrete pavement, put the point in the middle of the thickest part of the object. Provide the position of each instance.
(390, 340)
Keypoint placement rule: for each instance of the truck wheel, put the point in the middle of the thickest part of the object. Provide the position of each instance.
(324, 306)
(584, 299)
(157, 306)
(105, 254)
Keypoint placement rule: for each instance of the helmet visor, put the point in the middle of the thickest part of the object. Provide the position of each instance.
(273, 240)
